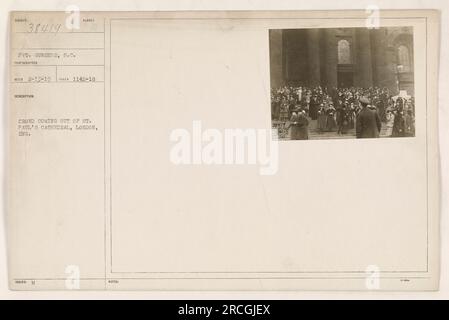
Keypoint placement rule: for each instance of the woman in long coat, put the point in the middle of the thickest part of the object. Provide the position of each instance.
(299, 126)
(313, 108)
(283, 111)
(292, 126)
(351, 116)
(322, 118)
(399, 123)
(344, 119)
(303, 126)
(331, 124)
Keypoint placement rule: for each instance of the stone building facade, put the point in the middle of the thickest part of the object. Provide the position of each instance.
(343, 57)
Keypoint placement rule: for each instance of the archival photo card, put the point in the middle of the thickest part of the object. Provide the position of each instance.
(163, 150)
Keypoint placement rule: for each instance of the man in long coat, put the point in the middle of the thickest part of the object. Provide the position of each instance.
(303, 126)
(368, 122)
(299, 126)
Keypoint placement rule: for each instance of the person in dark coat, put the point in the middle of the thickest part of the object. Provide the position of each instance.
(314, 106)
(351, 112)
(299, 126)
(292, 126)
(399, 122)
(331, 124)
(340, 116)
(368, 122)
(322, 118)
(303, 126)
(409, 124)
(343, 119)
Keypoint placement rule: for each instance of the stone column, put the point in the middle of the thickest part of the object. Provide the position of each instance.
(276, 69)
(330, 59)
(391, 75)
(313, 51)
(378, 44)
(384, 73)
(364, 74)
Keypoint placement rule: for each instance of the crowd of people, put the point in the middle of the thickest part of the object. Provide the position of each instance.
(338, 110)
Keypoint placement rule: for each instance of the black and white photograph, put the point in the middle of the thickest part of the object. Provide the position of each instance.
(342, 83)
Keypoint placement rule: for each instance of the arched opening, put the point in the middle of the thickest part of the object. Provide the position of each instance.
(345, 75)
(344, 52)
(403, 59)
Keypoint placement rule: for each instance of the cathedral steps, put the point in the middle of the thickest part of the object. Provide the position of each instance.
(314, 134)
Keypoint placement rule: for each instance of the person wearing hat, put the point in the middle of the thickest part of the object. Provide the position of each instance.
(303, 126)
(299, 125)
(368, 122)
(331, 124)
(322, 118)
(343, 118)
(292, 126)
(314, 106)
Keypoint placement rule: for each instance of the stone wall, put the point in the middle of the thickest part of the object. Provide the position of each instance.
(309, 57)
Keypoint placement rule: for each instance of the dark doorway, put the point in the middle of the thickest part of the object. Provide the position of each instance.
(345, 79)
